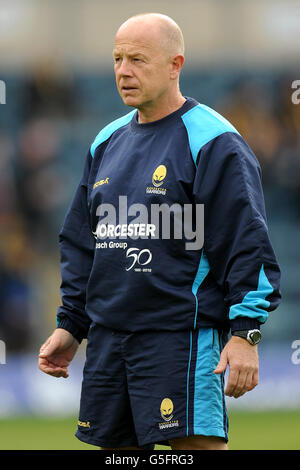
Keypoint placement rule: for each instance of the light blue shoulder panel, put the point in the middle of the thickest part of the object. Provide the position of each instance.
(204, 124)
(108, 130)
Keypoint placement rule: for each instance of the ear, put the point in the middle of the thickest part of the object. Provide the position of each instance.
(176, 66)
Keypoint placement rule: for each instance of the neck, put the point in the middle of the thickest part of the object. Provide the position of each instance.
(154, 112)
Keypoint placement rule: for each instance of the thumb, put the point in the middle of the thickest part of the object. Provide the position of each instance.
(221, 367)
(51, 346)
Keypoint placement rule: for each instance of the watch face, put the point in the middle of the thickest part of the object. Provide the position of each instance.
(255, 336)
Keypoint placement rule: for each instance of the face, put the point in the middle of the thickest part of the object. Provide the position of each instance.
(142, 68)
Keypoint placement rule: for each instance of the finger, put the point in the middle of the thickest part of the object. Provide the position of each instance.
(50, 347)
(58, 374)
(55, 373)
(221, 367)
(48, 368)
(54, 361)
(250, 382)
(44, 346)
(254, 381)
(240, 387)
(45, 362)
(232, 381)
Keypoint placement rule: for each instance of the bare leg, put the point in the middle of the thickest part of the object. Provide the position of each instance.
(199, 443)
(120, 448)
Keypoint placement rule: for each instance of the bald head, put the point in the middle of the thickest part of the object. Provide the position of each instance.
(148, 58)
(162, 30)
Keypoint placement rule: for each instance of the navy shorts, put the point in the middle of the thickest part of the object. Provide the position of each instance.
(141, 389)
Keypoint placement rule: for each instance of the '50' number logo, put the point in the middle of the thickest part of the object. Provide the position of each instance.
(141, 257)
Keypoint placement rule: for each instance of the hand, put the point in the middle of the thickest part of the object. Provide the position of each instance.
(57, 353)
(242, 358)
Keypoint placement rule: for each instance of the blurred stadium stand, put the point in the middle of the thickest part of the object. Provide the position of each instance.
(59, 97)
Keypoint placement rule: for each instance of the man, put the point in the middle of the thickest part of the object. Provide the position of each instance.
(156, 314)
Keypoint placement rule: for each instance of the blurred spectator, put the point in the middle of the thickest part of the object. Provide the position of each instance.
(270, 123)
(250, 108)
(49, 91)
(15, 265)
(288, 157)
(7, 184)
(39, 185)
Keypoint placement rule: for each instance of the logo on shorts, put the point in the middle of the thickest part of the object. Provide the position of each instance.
(167, 414)
(166, 409)
(84, 424)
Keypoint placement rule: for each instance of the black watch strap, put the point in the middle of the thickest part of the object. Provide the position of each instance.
(252, 336)
(240, 333)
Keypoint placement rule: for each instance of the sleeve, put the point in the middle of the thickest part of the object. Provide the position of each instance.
(236, 241)
(76, 243)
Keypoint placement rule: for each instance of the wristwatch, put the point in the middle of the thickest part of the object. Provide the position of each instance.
(252, 336)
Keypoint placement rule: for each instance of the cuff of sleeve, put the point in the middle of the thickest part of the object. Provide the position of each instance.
(244, 324)
(66, 324)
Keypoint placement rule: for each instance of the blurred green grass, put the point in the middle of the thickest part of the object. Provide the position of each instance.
(270, 430)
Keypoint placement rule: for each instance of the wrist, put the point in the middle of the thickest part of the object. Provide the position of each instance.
(67, 325)
(253, 337)
(244, 323)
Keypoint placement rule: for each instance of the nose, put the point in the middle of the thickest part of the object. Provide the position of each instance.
(123, 68)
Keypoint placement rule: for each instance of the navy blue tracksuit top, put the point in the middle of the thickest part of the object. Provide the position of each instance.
(120, 269)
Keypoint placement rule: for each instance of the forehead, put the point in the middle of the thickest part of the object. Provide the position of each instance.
(127, 48)
(135, 39)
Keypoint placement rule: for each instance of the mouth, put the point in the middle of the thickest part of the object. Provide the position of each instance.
(127, 89)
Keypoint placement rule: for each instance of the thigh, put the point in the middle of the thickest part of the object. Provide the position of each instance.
(207, 414)
(199, 443)
(172, 388)
(105, 417)
(120, 448)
